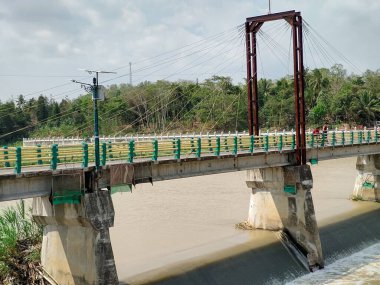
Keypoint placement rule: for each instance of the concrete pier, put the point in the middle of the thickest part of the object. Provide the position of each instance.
(281, 200)
(367, 184)
(76, 247)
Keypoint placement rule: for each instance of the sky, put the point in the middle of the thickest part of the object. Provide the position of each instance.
(44, 43)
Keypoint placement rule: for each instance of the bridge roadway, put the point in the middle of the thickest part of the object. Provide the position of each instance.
(36, 181)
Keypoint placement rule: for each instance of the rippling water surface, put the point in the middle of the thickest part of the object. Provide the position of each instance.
(362, 267)
(180, 226)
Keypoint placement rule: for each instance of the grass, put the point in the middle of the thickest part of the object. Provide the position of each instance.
(20, 246)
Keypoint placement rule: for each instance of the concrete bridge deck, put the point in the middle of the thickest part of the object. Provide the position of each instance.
(36, 181)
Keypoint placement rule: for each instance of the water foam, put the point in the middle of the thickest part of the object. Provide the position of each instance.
(362, 267)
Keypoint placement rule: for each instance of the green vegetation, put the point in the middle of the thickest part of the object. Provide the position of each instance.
(20, 246)
(215, 104)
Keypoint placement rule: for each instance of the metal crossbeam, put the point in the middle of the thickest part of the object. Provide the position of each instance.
(252, 26)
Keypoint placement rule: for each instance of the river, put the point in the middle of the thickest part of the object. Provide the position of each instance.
(362, 267)
(183, 232)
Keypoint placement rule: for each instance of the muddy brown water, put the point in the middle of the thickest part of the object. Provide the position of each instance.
(183, 231)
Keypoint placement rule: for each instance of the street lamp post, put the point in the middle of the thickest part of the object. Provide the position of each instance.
(96, 120)
(94, 88)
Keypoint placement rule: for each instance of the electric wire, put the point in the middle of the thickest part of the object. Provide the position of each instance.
(340, 54)
(208, 59)
(63, 93)
(65, 84)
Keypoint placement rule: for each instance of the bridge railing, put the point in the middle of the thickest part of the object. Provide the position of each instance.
(63, 156)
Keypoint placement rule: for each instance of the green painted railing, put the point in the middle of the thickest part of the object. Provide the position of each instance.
(217, 149)
(155, 150)
(131, 153)
(55, 156)
(104, 154)
(39, 156)
(235, 150)
(85, 155)
(5, 152)
(199, 147)
(251, 144)
(18, 160)
(280, 142)
(177, 154)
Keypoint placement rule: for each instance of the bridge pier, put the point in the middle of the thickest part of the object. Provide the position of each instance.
(281, 200)
(76, 247)
(367, 184)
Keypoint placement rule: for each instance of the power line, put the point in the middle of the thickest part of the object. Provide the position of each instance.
(130, 73)
(165, 62)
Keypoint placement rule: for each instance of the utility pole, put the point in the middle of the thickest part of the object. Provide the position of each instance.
(95, 82)
(94, 88)
(269, 11)
(130, 73)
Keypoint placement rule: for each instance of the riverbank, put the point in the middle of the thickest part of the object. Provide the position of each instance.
(20, 247)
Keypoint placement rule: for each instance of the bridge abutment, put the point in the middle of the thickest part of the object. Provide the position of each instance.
(367, 184)
(281, 200)
(76, 247)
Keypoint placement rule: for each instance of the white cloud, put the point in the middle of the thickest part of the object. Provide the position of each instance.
(57, 37)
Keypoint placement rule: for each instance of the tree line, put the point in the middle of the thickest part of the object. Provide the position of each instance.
(216, 104)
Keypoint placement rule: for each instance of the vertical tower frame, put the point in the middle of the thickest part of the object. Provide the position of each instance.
(252, 26)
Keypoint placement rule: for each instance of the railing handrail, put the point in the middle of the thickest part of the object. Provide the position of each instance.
(153, 147)
(149, 137)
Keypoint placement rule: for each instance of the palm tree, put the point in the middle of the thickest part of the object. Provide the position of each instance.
(367, 106)
(316, 83)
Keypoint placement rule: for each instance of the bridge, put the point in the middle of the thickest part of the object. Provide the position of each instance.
(155, 158)
(62, 179)
(71, 182)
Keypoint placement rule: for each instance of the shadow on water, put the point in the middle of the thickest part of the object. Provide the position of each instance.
(272, 264)
(253, 265)
(351, 235)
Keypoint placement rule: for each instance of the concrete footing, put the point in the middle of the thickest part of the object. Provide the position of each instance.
(76, 247)
(367, 184)
(281, 200)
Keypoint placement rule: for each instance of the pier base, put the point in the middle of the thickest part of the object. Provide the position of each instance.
(367, 184)
(281, 200)
(76, 246)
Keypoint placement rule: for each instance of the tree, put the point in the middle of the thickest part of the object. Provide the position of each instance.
(317, 82)
(367, 107)
(21, 102)
(42, 111)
